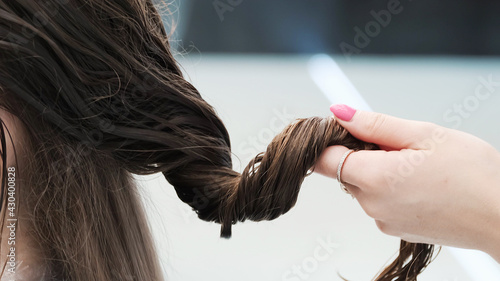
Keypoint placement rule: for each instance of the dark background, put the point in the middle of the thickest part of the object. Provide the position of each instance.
(300, 26)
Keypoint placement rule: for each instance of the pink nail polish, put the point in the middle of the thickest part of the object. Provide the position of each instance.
(343, 111)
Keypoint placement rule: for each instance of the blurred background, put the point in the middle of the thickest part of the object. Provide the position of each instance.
(262, 64)
(424, 27)
(440, 50)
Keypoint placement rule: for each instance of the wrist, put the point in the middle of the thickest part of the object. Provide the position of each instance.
(491, 244)
(495, 243)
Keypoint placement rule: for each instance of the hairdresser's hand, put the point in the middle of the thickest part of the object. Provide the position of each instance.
(430, 184)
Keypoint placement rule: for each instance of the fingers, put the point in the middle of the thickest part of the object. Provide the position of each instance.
(369, 170)
(363, 169)
(329, 161)
(387, 131)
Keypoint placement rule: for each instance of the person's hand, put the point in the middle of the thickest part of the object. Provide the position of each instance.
(429, 184)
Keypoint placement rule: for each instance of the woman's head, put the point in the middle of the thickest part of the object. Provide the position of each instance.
(88, 79)
(101, 97)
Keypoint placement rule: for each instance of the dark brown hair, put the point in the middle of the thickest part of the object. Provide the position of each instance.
(102, 97)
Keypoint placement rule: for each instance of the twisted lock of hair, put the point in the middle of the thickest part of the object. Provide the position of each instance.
(269, 186)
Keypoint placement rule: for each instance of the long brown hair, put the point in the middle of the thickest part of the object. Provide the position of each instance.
(102, 97)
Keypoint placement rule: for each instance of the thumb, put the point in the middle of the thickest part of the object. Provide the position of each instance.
(382, 129)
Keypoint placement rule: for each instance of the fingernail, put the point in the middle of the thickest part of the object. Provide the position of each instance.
(343, 111)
